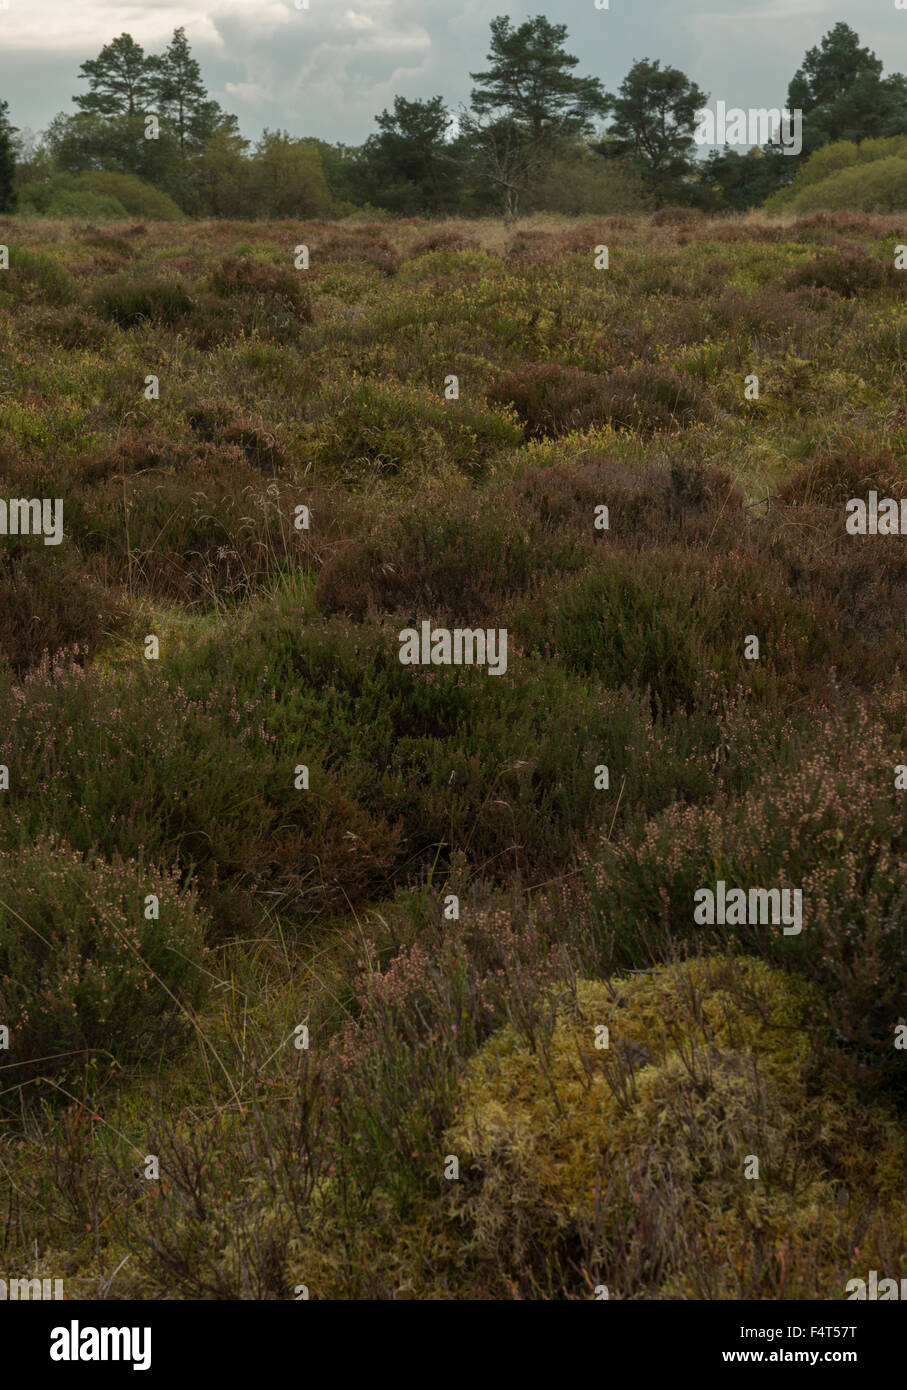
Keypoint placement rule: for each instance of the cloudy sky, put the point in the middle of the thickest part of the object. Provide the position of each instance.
(326, 70)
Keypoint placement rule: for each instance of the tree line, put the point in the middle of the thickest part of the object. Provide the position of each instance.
(535, 135)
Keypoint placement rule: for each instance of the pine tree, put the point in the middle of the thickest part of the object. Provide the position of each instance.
(181, 96)
(120, 79)
(7, 161)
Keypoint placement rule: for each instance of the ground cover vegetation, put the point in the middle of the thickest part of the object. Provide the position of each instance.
(299, 486)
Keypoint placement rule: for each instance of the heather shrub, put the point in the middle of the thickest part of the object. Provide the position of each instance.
(829, 822)
(468, 557)
(677, 216)
(220, 425)
(444, 240)
(370, 432)
(831, 479)
(364, 246)
(238, 821)
(844, 272)
(659, 622)
(50, 602)
(83, 967)
(129, 302)
(554, 400)
(73, 330)
(35, 277)
(246, 278)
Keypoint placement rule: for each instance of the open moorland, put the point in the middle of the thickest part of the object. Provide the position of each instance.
(321, 969)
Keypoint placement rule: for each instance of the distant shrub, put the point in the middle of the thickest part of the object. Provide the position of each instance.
(42, 200)
(878, 186)
(860, 223)
(82, 968)
(114, 245)
(140, 199)
(242, 276)
(444, 240)
(844, 272)
(677, 216)
(129, 302)
(554, 400)
(363, 246)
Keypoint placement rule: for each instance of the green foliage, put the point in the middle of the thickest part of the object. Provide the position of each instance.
(654, 115)
(842, 94)
(408, 166)
(119, 80)
(68, 195)
(868, 177)
(877, 186)
(108, 147)
(83, 966)
(129, 302)
(139, 198)
(7, 161)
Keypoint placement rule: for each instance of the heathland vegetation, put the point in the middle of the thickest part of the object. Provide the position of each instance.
(178, 904)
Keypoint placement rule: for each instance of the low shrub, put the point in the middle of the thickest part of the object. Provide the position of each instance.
(129, 302)
(555, 400)
(88, 963)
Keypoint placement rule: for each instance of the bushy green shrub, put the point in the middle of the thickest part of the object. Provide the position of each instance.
(85, 965)
(129, 302)
(68, 195)
(34, 276)
(140, 199)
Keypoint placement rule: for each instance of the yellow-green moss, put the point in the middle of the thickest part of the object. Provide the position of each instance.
(709, 1062)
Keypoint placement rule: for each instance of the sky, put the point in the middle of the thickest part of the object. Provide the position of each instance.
(327, 68)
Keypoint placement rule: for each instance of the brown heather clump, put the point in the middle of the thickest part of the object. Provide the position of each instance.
(243, 277)
(841, 222)
(844, 272)
(831, 479)
(443, 240)
(554, 400)
(223, 425)
(51, 603)
(364, 246)
(675, 216)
